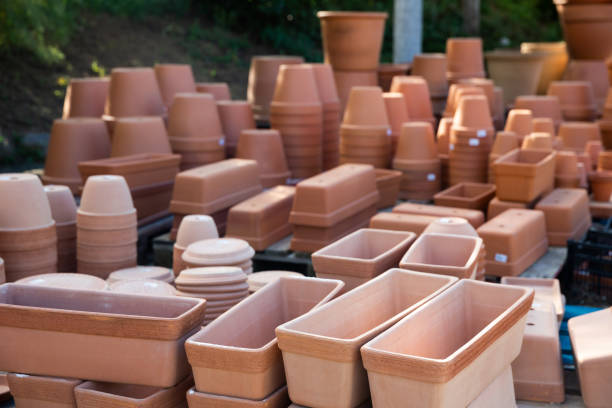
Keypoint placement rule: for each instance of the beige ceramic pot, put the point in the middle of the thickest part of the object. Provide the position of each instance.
(219, 90)
(555, 58)
(85, 97)
(172, 79)
(516, 73)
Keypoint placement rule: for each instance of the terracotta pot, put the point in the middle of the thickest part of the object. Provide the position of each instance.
(567, 174)
(63, 211)
(366, 107)
(467, 195)
(443, 135)
(544, 125)
(432, 67)
(504, 142)
(401, 222)
(235, 117)
(595, 72)
(106, 195)
(604, 161)
(136, 135)
(346, 80)
(575, 135)
(134, 92)
(85, 97)
(541, 106)
(73, 141)
(387, 184)
(219, 352)
(386, 72)
(416, 142)
(265, 147)
(605, 127)
(35, 391)
(278, 399)
(413, 370)
(520, 121)
(601, 185)
(192, 228)
(523, 175)
(583, 25)
(352, 40)
(515, 239)
(537, 140)
(172, 79)
(593, 149)
(219, 90)
(567, 215)
(262, 80)
(517, 73)
(150, 287)
(576, 98)
(472, 113)
(263, 219)
(2, 272)
(397, 113)
(453, 96)
(318, 354)
(121, 325)
(416, 95)
(464, 56)
(219, 252)
(555, 58)
(488, 89)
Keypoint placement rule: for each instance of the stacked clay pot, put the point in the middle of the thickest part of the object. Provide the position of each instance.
(416, 94)
(73, 141)
(595, 72)
(85, 98)
(386, 72)
(464, 59)
(567, 174)
(63, 211)
(219, 90)
(266, 148)
(456, 92)
(576, 135)
(471, 139)
(222, 287)
(135, 135)
(235, 117)
(432, 68)
(172, 79)
(520, 121)
(326, 86)
(106, 227)
(397, 113)
(137, 273)
(297, 113)
(262, 80)
(541, 106)
(220, 252)
(417, 158)
(28, 240)
(488, 89)
(192, 228)
(605, 124)
(586, 24)
(576, 99)
(364, 133)
(504, 142)
(195, 130)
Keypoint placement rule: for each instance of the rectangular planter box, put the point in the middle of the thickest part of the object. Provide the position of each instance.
(546, 291)
(475, 217)
(100, 336)
(108, 395)
(362, 255)
(524, 174)
(263, 219)
(401, 222)
(42, 392)
(388, 186)
(237, 355)
(496, 207)
(514, 240)
(278, 399)
(449, 350)
(215, 187)
(567, 214)
(444, 254)
(474, 196)
(321, 348)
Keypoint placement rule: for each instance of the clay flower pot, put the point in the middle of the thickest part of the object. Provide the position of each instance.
(575, 135)
(466, 195)
(63, 211)
(262, 80)
(601, 185)
(452, 97)
(544, 125)
(464, 56)
(432, 67)
(566, 170)
(2, 272)
(106, 195)
(73, 141)
(488, 89)
(326, 356)
(593, 149)
(278, 399)
(517, 73)
(416, 95)
(225, 338)
(397, 112)
(266, 147)
(72, 281)
(219, 252)
(504, 142)
(136, 135)
(366, 107)
(604, 161)
(387, 184)
(595, 72)
(235, 117)
(344, 260)
(172, 79)
(191, 229)
(541, 106)
(37, 391)
(472, 113)
(605, 127)
(520, 121)
(164, 322)
(133, 92)
(538, 140)
(141, 273)
(386, 72)
(567, 215)
(346, 80)
(554, 56)
(85, 98)
(576, 99)
(583, 25)
(219, 90)
(475, 218)
(443, 135)
(150, 287)
(352, 40)
(416, 143)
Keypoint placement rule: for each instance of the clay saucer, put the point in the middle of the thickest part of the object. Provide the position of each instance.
(77, 281)
(143, 287)
(140, 273)
(210, 275)
(216, 299)
(212, 289)
(258, 280)
(218, 251)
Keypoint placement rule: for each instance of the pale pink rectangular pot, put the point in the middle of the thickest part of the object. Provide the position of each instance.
(278, 399)
(31, 391)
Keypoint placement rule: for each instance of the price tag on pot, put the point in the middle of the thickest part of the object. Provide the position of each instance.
(501, 258)
(481, 133)
(431, 177)
(474, 142)
(451, 147)
(222, 141)
(389, 132)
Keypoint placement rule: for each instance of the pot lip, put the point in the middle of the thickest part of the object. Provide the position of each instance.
(514, 55)
(600, 175)
(92, 214)
(352, 14)
(39, 227)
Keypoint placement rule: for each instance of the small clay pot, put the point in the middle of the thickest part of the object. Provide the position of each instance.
(416, 142)
(472, 113)
(192, 228)
(432, 67)
(593, 149)
(443, 135)
(464, 56)
(544, 125)
(520, 121)
(541, 106)
(346, 80)
(106, 195)
(172, 79)
(516, 73)
(604, 161)
(266, 147)
(605, 127)
(85, 97)
(235, 117)
(601, 185)
(537, 140)
(576, 99)
(366, 107)
(499, 108)
(137, 135)
(486, 85)
(386, 72)
(28, 207)
(219, 90)
(134, 92)
(504, 142)
(575, 135)
(595, 72)
(295, 85)
(554, 56)
(72, 141)
(416, 95)
(397, 112)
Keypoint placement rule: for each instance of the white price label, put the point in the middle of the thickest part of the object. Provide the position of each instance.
(451, 147)
(481, 133)
(474, 142)
(501, 258)
(222, 141)
(431, 177)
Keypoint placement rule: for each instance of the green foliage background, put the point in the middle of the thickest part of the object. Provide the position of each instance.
(42, 27)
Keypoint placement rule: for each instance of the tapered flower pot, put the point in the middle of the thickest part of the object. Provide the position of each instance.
(567, 215)
(575, 135)
(520, 121)
(137, 135)
(235, 117)
(133, 92)
(346, 80)
(172, 79)
(464, 56)
(475, 217)
(219, 90)
(386, 72)
(541, 106)
(266, 147)
(326, 356)
(433, 68)
(595, 72)
(601, 185)
(544, 125)
(39, 392)
(566, 170)
(416, 95)
(192, 228)
(583, 25)
(63, 211)
(223, 356)
(442, 373)
(352, 40)
(517, 73)
(576, 98)
(555, 58)
(397, 113)
(537, 140)
(85, 98)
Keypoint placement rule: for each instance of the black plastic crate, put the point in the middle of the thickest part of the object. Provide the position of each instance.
(600, 233)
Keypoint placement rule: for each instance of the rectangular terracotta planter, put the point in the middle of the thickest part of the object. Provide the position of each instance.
(278, 399)
(446, 353)
(109, 395)
(388, 186)
(263, 219)
(321, 348)
(474, 217)
(215, 187)
(515, 239)
(152, 202)
(42, 392)
(237, 355)
(362, 255)
(546, 291)
(444, 254)
(401, 222)
(567, 214)
(475, 196)
(497, 206)
(524, 174)
(94, 335)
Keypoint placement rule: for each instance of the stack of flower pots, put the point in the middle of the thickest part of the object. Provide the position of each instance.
(364, 133)
(397, 113)
(433, 67)
(85, 98)
(541, 106)
(417, 159)
(157, 273)
(262, 80)
(471, 139)
(106, 227)
(443, 143)
(538, 140)
(28, 240)
(576, 135)
(232, 252)
(576, 98)
(297, 113)
(352, 42)
(192, 228)
(136, 135)
(172, 79)
(456, 92)
(488, 89)
(416, 94)
(520, 122)
(63, 211)
(235, 117)
(593, 71)
(266, 148)
(195, 130)
(219, 90)
(464, 59)
(554, 60)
